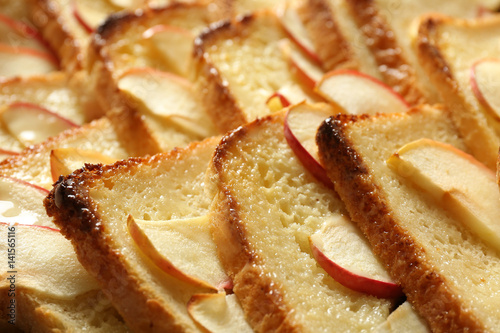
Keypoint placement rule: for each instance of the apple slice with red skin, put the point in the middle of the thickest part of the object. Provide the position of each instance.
(46, 263)
(307, 72)
(218, 313)
(64, 161)
(277, 102)
(19, 34)
(22, 202)
(91, 13)
(456, 181)
(485, 86)
(296, 31)
(7, 153)
(358, 93)
(182, 248)
(24, 61)
(145, 87)
(343, 252)
(301, 123)
(175, 45)
(31, 123)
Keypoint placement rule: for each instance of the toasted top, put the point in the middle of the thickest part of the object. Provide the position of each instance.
(449, 48)
(449, 275)
(266, 206)
(163, 187)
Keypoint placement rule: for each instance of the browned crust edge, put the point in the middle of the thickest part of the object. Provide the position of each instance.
(331, 46)
(46, 17)
(77, 216)
(386, 51)
(402, 254)
(260, 298)
(436, 66)
(219, 102)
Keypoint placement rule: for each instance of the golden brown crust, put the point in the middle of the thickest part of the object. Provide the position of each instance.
(331, 46)
(393, 66)
(46, 16)
(218, 100)
(260, 297)
(399, 251)
(480, 138)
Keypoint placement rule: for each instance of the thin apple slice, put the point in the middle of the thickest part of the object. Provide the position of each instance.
(277, 102)
(485, 85)
(307, 72)
(168, 97)
(19, 34)
(41, 260)
(456, 181)
(64, 161)
(90, 13)
(31, 123)
(403, 319)
(343, 252)
(218, 313)
(359, 93)
(297, 32)
(4, 153)
(174, 44)
(22, 202)
(23, 61)
(301, 123)
(182, 248)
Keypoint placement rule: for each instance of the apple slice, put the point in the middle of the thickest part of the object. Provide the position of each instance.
(277, 102)
(218, 313)
(359, 93)
(174, 44)
(456, 181)
(19, 34)
(343, 252)
(307, 72)
(43, 261)
(64, 161)
(4, 153)
(297, 32)
(23, 61)
(22, 202)
(182, 248)
(403, 319)
(485, 85)
(301, 123)
(90, 13)
(31, 123)
(166, 96)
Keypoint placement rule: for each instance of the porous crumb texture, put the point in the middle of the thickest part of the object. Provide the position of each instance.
(170, 187)
(280, 205)
(469, 271)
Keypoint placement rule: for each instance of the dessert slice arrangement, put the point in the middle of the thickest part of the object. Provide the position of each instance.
(465, 86)
(235, 166)
(410, 211)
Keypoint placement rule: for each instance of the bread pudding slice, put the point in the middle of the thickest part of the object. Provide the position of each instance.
(390, 29)
(339, 43)
(240, 64)
(450, 48)
(45, 289)
(450, 275)
(266, 205)
(166, 189)
(140, 62)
